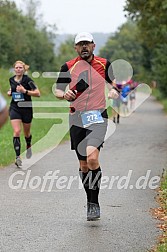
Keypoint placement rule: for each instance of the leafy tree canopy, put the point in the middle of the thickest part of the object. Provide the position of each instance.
(21, 38)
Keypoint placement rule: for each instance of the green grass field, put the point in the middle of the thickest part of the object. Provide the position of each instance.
(40, 126)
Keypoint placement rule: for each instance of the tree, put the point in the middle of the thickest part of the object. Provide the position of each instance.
(151, 18)
(125, 44)
(31, 7)
(21, 38)
(66, 51)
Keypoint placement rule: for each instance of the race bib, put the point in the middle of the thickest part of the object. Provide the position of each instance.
(17, 96)
(91, 117)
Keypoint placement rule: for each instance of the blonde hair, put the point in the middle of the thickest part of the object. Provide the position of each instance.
(26, 67)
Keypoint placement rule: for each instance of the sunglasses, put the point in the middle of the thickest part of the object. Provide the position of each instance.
(84, 43)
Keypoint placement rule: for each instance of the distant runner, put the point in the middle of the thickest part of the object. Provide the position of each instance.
(22, 87)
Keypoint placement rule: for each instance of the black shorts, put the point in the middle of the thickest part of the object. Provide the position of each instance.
(82, 137)
(24, 114)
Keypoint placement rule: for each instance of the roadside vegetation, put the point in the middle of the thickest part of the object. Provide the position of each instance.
(160, 213)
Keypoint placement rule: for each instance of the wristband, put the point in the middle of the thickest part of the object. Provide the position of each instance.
(26, 92)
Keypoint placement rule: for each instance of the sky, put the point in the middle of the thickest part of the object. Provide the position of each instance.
(73, 16)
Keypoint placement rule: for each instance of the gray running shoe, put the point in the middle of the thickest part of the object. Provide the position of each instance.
(29, 153)
(18, 162)
(93, 212)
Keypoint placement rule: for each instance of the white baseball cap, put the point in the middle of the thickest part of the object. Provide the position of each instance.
(83, 36)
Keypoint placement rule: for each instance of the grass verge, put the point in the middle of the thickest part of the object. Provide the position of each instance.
(161, 212)
(162, 247)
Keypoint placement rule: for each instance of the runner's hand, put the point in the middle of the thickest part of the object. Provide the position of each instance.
(20, 89)
(113, 94)
(70, 95)
(9, 93)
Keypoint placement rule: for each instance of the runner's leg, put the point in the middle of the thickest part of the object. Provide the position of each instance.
(16, 125)
(28, 137)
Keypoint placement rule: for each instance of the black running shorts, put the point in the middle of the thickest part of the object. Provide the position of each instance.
(82, 137)
(24, 114)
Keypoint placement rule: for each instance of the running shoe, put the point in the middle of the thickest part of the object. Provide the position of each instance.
(18, 162)
(93, 212)
(29, 152)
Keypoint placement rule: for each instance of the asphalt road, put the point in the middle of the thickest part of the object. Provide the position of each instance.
(38, 215)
